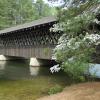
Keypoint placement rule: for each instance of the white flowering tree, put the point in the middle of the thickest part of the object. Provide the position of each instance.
(77, 44)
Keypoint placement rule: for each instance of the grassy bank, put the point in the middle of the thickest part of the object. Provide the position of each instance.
(83, 91)
(29, 89)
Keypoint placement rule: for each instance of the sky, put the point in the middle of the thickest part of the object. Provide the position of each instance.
(56, 3)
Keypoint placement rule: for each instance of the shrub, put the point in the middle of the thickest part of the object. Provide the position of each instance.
(55, 89)
(78, 42)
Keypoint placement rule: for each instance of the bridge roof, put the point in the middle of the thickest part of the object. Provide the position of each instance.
(38, 22)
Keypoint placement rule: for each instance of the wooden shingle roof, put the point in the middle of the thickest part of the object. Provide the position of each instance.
(38, 22)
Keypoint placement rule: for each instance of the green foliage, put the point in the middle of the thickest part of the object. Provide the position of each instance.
(55, 89)
(75, 19)
(73, 50)
(75, 58)
(14, 12)
(42, 9)
(75, 70)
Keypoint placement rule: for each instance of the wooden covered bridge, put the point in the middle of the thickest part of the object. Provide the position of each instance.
(32, 39)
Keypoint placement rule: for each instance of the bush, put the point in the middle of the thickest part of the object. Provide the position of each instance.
(77, 44)
(55, 89)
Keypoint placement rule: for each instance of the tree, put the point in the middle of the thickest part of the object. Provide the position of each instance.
(3, 14)
(43, 9)
(20, 11)
(14, 12)
(78, 42)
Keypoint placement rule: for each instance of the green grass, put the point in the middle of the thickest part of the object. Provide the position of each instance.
(29, 89)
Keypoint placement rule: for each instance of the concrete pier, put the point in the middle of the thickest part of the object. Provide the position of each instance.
(3, 58)
(34, 62)
(41, 62)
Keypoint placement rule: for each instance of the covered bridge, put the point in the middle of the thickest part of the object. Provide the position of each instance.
(32, 39)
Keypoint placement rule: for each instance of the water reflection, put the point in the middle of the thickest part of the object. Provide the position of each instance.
(2, 65)
(21, 70)
(95, 70)
(2, 68)
(16, 70)
(34, 71)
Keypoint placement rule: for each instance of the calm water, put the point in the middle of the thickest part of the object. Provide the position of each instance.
(22, 70)
(19, 81)
(28, 83)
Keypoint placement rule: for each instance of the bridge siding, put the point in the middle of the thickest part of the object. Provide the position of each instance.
(38, 52)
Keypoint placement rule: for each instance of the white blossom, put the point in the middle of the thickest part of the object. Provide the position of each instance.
(64, 43)
(93, 38)
(55, 68)
(96, 20)
(57, 27)
(61, 42)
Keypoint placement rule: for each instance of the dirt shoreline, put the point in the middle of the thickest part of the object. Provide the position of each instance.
(84, 91)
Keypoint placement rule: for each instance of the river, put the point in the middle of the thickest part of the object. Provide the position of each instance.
(19, 81)
(22, 70)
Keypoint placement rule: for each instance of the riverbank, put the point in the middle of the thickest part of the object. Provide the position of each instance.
(29, 89)
(84, 91)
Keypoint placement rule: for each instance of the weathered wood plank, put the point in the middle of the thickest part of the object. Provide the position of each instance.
(38, 52)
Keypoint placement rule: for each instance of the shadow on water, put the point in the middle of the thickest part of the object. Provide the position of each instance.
(15, 70)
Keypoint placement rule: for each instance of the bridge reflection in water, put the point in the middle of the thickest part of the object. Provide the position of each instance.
(21, 70)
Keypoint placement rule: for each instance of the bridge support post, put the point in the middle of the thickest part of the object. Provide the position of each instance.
(34, 62)
(3, 58)
(42, 62)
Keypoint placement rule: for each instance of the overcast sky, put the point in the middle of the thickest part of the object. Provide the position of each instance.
(56, 3)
